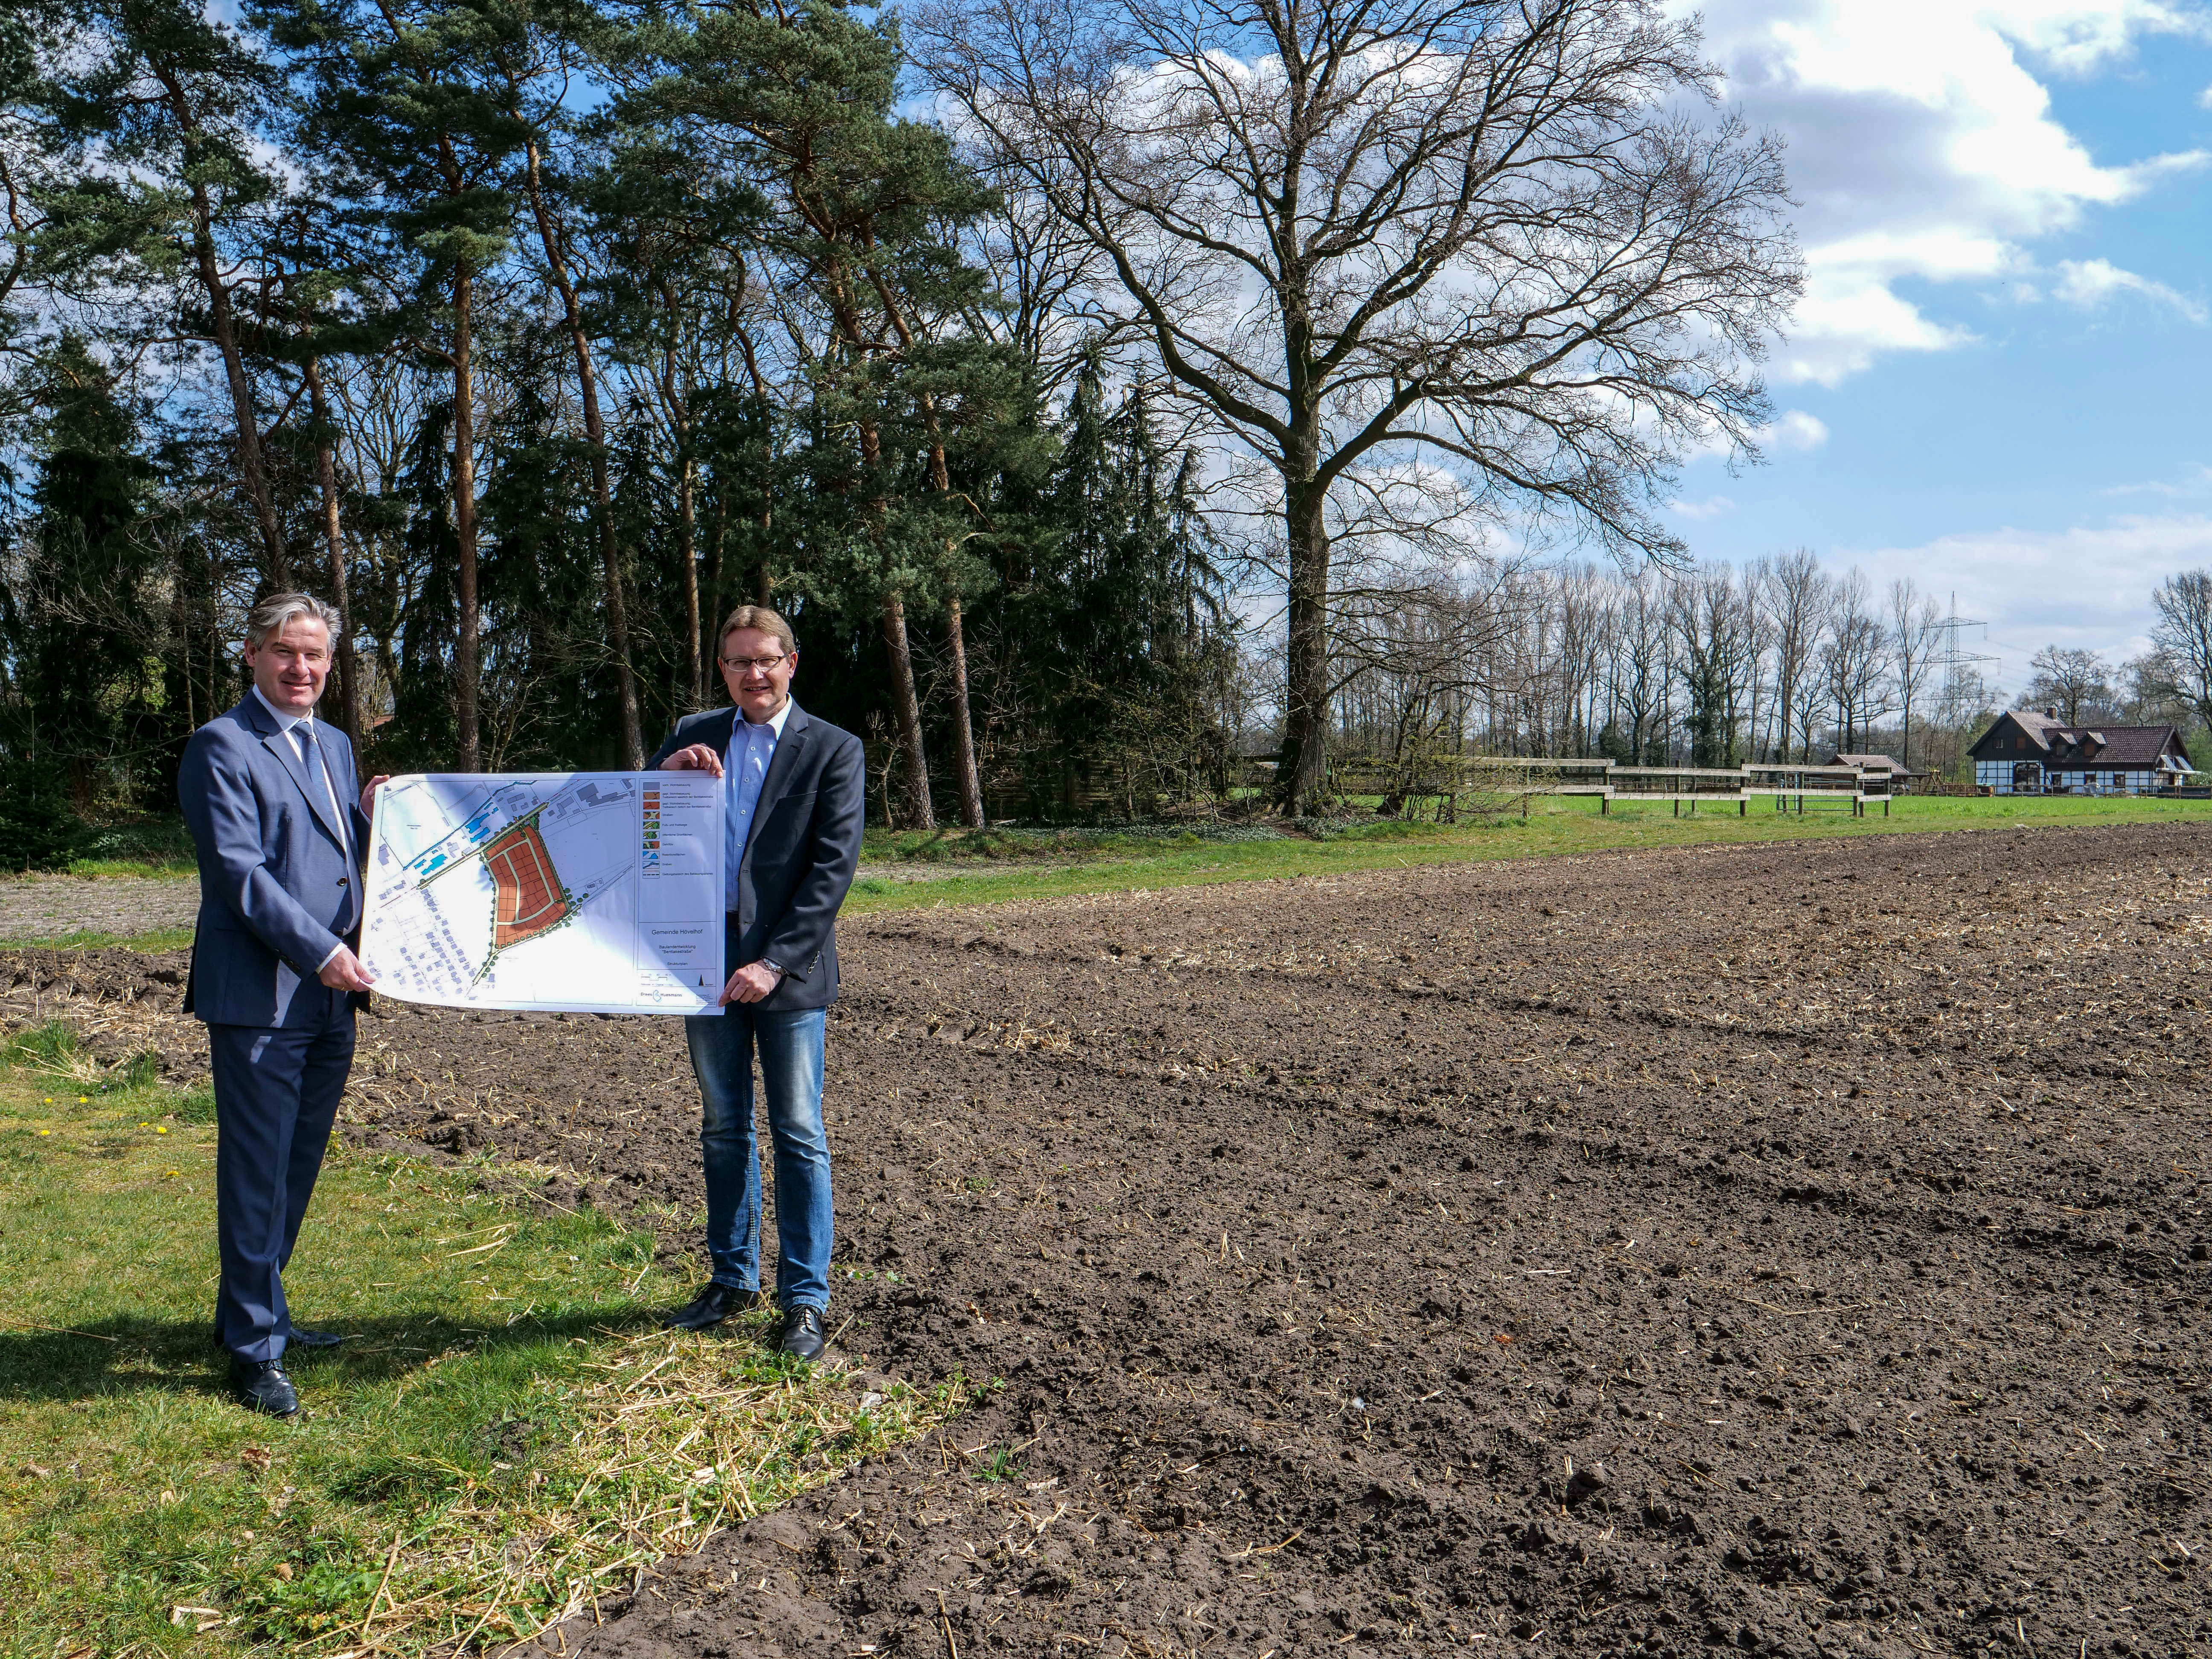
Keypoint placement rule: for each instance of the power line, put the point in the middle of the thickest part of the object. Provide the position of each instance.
(1956, 660)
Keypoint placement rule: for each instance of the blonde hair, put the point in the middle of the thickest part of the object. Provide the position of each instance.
(761, 620)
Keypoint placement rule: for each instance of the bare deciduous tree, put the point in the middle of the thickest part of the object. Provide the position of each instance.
(2183, 636)
(1854, 662)
(2076, 683)
(1482, 233)
(1915, 628)
(1794, 593)
(1713, 622)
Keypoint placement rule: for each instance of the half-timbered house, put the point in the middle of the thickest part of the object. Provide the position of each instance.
(2027, 752)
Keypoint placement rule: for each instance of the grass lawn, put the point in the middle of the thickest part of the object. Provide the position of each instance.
(89, 938)
(508, 1437)
(993, 865)
(908, 869)
(157, 846)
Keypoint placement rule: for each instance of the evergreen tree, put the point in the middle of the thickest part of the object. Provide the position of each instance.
(800, 104)
(163, 107)
(86, 611)
(413, 99)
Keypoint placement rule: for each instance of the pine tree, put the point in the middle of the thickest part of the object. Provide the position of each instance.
(800, 104)
(87, 614)
(413, 99)
(163, 106)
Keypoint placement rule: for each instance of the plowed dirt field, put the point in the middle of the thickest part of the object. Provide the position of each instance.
(1790, 1249)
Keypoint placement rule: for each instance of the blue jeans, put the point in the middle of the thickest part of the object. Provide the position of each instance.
(790, 1045)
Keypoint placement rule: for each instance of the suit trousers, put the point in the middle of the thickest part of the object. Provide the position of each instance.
(276, 1093)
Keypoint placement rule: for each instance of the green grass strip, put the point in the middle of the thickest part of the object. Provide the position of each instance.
(909, 870)
(1554, 829)
(507, 1438)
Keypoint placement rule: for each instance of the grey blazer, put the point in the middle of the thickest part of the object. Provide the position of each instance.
(277, 888)
(799, 853)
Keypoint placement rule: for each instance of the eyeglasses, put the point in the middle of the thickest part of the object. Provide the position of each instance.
(762, 665)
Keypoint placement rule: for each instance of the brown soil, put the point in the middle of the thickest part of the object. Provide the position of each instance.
(47, 907)
(1799, 1249)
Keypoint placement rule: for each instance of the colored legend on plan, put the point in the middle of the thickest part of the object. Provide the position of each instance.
(650, 845)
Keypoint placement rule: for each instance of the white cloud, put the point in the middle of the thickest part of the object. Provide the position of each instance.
(2195, 481)
(2077, 37)
(2088, 283)
(1923, 148)
(2204, 99)
(1795, 430)
(1713, 506)
(2088, 586)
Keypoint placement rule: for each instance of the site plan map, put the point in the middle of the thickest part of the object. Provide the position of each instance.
(579, 891)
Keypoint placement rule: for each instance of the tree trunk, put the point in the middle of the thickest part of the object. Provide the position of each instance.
(763, 579)
(909, 707)
(894, 641)
(223, 325)
(712, 648)
(963, 735)
(326, 474)
(687, 555)
(587, 386)
(1305, 723)
(277, 561)
(468, 648)
(963, 730)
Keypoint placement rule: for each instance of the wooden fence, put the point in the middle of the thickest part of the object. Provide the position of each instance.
(1455, 785)
(1459, 784)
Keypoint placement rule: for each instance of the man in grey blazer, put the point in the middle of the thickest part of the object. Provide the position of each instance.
(269, 794)
(796, 800)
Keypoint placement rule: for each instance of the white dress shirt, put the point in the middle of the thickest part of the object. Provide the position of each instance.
(745, 770)
(310, 752)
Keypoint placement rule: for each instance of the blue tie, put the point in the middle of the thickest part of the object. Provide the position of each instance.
(307, 731)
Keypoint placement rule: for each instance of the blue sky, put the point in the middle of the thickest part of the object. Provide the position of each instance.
(1998, 382)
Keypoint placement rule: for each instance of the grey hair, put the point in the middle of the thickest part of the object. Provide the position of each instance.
(268, 619)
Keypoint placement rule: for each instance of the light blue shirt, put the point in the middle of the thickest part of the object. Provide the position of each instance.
(745, 770)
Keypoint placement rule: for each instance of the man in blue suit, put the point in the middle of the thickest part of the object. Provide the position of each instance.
(268, 792)
(795, 795)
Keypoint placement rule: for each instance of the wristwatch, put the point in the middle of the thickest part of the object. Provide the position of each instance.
(774, 967)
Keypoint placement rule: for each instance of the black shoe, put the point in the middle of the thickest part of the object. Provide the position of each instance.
(712, 1306)
(800, 1334)
(261, 1386)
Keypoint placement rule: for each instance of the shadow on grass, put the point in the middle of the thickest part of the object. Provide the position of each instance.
(130, 1353)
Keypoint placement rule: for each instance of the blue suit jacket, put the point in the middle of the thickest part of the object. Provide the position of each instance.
(277, 890)
(799, 853)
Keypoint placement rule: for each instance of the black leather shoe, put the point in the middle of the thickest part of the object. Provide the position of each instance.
(801, 1334)
(261, 1386)
(712, 1306)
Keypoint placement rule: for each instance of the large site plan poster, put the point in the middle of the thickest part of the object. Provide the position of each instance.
(595, 891)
